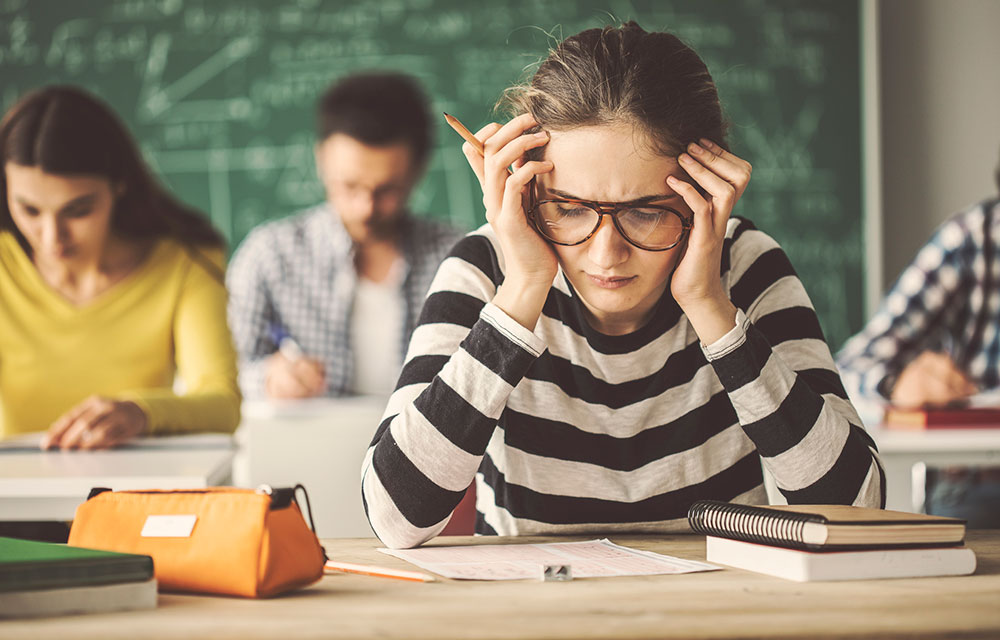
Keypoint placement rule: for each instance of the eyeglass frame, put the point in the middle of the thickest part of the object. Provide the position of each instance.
(602, 209)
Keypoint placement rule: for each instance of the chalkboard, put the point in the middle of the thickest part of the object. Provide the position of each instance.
(220, 94)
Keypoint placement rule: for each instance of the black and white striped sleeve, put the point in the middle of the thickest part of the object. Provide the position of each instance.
(465, 358)
(782, 381)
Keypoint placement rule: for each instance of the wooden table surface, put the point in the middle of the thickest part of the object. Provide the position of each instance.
(720, 604)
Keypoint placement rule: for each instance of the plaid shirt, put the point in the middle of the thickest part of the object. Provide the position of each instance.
(944, 298)
(298, 274)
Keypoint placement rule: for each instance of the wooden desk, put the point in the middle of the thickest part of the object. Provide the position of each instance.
(720, 604)
(900, 450)
(48, 485)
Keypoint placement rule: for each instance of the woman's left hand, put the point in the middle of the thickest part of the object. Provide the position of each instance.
(696, 284)
(96, 423)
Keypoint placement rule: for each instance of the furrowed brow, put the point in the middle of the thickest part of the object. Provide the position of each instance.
(636, 201)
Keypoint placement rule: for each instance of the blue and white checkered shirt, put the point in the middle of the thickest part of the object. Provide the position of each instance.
(937, 304)
(298, 274)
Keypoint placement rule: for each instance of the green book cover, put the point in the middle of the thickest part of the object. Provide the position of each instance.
(28, 565)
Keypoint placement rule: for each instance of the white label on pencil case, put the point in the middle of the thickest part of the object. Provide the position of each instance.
(168, 526)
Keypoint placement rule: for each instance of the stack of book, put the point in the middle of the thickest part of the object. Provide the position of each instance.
(44, 579)
(979, 411)
(943, 418)
(831, 542)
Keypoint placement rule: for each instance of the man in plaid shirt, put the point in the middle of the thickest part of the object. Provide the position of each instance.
(323, 302)
(935, 337)
(935, 340)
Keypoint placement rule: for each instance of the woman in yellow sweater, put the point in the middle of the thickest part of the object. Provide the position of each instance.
(109, 287)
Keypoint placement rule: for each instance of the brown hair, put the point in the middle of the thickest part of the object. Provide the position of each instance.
(378, 109)
(65, 130)
(624, 74)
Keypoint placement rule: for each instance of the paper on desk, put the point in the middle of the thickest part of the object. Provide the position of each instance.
(591, 559)
(988, 399)
(311, 407)
(32, 442)
(29, 441)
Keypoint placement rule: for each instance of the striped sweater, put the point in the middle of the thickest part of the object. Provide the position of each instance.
(567, 430)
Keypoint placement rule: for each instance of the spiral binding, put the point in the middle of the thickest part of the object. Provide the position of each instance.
(750, 523)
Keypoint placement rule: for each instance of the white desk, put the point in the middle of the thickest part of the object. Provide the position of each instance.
(320, 444)
(902, 453)
(48, 485)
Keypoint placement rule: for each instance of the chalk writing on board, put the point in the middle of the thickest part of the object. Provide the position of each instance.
(220, 94)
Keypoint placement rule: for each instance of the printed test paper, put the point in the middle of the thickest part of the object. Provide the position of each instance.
(590, 559)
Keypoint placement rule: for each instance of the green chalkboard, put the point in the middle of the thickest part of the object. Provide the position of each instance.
(220, 94)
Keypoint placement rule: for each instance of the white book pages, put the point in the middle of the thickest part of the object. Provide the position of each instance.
(809, 566)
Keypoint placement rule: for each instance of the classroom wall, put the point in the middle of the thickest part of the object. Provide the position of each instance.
(220, 95)
(938, 128)
(940, 117)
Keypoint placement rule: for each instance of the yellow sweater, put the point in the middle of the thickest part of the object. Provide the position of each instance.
(166, 317)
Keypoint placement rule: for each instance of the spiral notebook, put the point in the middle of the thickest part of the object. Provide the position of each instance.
(823, 527)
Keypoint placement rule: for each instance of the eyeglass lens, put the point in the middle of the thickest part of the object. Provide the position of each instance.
(571, 223)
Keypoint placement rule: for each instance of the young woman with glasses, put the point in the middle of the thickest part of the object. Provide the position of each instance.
(613, 345)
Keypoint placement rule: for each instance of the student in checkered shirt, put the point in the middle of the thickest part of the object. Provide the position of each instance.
(935, 340)
(338, 287)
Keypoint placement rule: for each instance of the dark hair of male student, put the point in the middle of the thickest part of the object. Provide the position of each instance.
(378, 109)
(64, 130)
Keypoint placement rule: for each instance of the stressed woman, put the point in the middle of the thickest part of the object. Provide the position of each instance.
(109, 287)
(613, 345)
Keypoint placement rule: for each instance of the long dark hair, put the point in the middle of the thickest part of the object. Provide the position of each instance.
(624, 74)
(65, 130)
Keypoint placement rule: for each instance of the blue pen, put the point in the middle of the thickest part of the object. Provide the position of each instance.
(286, 343)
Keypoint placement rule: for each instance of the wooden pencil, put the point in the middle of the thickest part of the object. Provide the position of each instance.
(467, 135)
(379, 572)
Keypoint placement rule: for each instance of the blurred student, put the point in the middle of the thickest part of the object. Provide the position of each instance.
(109, 287)
(934, 341)
(322, 303)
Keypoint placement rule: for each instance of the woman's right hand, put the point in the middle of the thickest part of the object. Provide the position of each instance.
(97, 423)
(530, 262)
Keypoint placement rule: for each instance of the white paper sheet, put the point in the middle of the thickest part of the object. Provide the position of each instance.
(591, 559)
(988, 399)
(32, 442)
(310, 408)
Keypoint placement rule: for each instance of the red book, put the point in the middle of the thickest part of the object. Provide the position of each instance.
(944, 418)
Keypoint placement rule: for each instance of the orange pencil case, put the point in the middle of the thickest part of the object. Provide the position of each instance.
(242, 542)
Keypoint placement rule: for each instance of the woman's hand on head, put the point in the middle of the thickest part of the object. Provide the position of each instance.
(530, 262)
(724, 178)
(696, 284)
(529, 258)
(97, 423)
